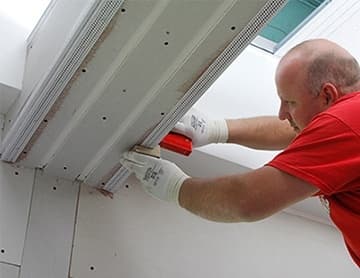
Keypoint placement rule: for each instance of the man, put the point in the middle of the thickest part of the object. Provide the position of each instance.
(318, 83)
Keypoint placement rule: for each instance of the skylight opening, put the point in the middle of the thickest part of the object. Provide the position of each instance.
(289, 20)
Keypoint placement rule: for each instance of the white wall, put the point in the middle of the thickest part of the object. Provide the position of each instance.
(37, 221)
(15, 197)
(50, 230)
(134, 235)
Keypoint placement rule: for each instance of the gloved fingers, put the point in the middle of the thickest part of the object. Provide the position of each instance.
(131, 165)
(132, 161)
(186, 120)
(180, 128)
(161, 178)
(137, 162)
(197, 114)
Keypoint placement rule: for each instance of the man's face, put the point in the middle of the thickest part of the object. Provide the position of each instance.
(298, 105)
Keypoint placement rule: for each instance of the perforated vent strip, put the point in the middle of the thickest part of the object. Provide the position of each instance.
(231, 52)
(45, 96)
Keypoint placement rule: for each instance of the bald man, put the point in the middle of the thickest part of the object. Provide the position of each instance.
(318, 83)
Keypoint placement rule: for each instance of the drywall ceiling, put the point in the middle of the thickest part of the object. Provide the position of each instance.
(148, 64)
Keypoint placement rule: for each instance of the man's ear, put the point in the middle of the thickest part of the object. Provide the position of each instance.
(329, 93)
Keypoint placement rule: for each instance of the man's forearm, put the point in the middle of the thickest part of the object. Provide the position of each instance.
(213, 199)
(266, 133)
(246, 197)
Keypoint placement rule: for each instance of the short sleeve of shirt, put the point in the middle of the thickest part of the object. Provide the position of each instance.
(325, 154)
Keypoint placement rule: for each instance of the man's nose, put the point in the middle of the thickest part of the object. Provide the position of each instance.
(283, 113)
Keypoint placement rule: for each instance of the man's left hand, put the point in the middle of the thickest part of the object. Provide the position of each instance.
(161, 178)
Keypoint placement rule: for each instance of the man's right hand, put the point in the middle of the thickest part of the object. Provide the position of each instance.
(201, 129)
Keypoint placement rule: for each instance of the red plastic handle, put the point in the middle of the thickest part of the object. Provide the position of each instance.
(177, 143)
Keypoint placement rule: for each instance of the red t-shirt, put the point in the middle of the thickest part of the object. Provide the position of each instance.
(326, 154)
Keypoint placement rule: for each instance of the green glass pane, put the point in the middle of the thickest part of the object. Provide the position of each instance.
(289, 18)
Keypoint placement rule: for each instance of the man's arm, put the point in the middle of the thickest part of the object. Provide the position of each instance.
(243, 198)
(265, 133)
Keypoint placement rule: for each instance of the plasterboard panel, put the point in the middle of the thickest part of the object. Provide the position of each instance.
(144, 65)
(49, 91)
(89, 86)
(155, 76)
(9, 271)
(50, 231)
(174, 89)
(134, 235)
(15, 196)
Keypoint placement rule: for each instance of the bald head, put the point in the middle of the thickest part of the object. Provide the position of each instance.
(320, 61)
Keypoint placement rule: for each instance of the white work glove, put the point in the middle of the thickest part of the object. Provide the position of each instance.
(201, 129)
(161, 178)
